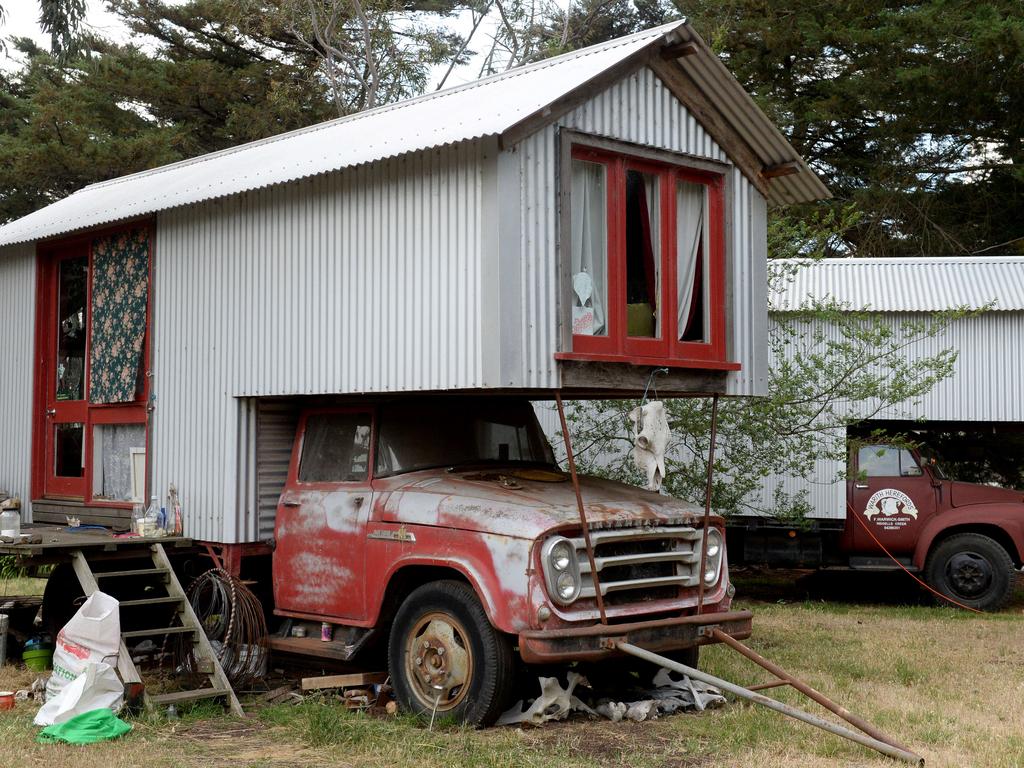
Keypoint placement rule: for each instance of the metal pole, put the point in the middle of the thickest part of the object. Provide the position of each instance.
(805, 689)
(778, 706)
(579, 506)
(707, 505)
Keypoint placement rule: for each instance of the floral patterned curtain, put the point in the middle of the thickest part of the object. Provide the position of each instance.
(120, 290)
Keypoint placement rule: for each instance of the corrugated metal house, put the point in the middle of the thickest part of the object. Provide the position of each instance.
(568, 224)
(987, 386)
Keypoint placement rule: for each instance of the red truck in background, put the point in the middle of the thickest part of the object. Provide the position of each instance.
(444, 527)
(966, 540)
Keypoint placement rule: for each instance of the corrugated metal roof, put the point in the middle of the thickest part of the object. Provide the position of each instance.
(908, 284)
(488, 107)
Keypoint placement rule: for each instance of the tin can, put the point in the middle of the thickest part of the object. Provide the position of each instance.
(326, 632)
(6, 700)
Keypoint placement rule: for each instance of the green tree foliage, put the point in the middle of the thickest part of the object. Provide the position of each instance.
(198, 76)
(912, 111)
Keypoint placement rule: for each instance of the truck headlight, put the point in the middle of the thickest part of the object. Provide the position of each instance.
(714, 546)
(561, 569)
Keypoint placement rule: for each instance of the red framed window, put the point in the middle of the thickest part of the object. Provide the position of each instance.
(92, 344)
(647, 261)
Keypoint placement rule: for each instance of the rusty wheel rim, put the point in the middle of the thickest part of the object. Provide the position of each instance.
(439, 661)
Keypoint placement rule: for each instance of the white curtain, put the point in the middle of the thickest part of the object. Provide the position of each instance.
(691, 212)
(590, 235)
(654, 215)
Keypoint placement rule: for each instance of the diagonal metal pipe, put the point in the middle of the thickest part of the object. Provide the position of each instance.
(778, 706)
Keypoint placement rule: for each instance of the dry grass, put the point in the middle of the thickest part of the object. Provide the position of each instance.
(948, 684)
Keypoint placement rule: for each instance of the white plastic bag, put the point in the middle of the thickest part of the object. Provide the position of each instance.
(98, 687)
(92, 636)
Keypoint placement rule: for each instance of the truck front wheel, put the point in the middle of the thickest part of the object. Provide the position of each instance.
(973, 569)
(445, 657)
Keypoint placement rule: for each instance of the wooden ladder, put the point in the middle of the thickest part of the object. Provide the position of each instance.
(161, 574)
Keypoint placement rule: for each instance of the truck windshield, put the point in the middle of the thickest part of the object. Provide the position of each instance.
(459, 432)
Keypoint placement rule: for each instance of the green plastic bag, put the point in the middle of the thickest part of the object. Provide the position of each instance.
(86, 728)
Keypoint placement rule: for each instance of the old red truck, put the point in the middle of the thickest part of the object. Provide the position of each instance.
(966, 540)
(445, 526)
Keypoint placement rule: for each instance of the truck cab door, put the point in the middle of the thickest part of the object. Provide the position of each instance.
(892, 495)
(320, 530)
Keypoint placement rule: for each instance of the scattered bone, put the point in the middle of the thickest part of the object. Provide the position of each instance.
(664, 696)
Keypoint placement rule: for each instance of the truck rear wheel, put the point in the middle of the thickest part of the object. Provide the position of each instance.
(973, 569)
(444, 655)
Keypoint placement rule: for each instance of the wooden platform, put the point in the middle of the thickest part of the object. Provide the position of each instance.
(56, 511)
(58, 541)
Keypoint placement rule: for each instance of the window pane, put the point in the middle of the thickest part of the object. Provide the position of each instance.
(691, 255)
(463, 432)
(879, 461)
(335, 448)
(589, 249)
(69, 450)
(119, 462)
(643, 254)
(908, 464)
(72, 284)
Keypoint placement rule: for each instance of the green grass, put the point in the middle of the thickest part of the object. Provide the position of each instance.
(949, 684)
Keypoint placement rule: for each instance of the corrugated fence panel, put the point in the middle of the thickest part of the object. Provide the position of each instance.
(17, 324)
(275, 431)
(642, 110)
(361, 281)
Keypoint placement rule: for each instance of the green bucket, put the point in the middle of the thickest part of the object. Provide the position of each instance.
(38, 660)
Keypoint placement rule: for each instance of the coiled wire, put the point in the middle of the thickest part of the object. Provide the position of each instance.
(232, 617)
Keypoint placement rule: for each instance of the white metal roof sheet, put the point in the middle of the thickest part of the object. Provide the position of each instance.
(929, 284)
(487, 107)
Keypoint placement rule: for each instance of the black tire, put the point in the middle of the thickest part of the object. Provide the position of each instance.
(62, 597)
(441, 636)
(972, 569)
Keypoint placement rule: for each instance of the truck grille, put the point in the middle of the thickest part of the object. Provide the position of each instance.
(640, 564)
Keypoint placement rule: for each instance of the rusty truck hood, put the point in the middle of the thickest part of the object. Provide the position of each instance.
(513, 504)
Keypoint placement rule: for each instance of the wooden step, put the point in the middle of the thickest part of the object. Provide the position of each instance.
(193, 695)
(150, 601)
(138, 572)
(158, 631)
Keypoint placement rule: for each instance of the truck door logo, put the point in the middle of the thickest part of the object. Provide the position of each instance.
(889, 508)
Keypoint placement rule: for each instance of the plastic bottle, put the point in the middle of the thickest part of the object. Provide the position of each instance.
(151, 521)
(10, 523)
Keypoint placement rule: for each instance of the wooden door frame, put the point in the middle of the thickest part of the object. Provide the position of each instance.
(48, 254)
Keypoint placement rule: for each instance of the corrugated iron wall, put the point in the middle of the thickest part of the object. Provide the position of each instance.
(639, 109)
(17, 329)
(366, 280)
(987, 386)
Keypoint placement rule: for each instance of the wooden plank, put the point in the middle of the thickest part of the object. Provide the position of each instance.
(311, 646)
(202, 646)
(158, 631)
(780, 169)
(359, 679)
(194, 695)
(678, 51)
(125, 666)
(704, 111)
(150, 601)
(135, 572)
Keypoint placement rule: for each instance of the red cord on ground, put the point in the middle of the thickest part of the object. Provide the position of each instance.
(881, 546)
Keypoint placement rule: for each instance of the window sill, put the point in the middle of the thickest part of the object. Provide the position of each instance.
(662, 362)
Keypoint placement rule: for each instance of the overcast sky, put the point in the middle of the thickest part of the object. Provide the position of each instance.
(22, 20)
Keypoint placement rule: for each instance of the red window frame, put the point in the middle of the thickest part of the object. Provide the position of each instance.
(667, 349)
(48, 258)
(296, 458)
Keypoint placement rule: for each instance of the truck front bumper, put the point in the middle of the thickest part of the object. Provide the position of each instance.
(598, 641)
